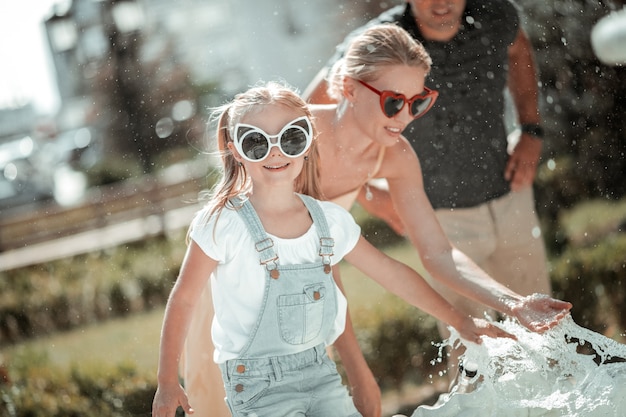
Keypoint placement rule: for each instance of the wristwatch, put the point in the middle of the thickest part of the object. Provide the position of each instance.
(533, 129)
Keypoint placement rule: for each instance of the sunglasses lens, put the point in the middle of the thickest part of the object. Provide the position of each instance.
(254, 145)
(293, 142)
(419, 106)
(392, 106)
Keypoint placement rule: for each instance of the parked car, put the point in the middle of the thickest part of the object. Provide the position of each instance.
(50, 168)
(22, 178)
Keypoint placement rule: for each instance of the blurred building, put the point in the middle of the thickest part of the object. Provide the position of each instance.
(15, 120)
(231, 44)
(238, 42)
(124, 67)
(81, 37)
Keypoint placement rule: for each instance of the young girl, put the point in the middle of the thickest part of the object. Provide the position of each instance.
(270, 250)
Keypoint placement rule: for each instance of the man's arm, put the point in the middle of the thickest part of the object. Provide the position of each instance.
(522, 165)
(523, 79)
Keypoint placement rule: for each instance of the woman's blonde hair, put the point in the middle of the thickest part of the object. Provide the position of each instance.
(234, 179)
(368, 54)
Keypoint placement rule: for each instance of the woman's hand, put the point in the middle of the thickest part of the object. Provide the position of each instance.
(168, 398)
(540, 312)
(537, 312)
(473, 329)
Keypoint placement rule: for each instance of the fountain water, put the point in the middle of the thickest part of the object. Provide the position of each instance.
(568, 371)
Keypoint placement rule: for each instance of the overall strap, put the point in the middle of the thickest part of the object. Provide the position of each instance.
(319, 219)
(264, 244)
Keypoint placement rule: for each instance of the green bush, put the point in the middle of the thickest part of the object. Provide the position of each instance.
(590, 271)
(592, 221)
(38, 389)
(397, 342)
(375, 230)
(593, 278)
(67, 293)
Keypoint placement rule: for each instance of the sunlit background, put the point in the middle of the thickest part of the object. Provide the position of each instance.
(27, 73)
(103, 151)
(99, 81)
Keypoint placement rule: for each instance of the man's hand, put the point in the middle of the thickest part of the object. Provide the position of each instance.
(539, 312)
(521, 167)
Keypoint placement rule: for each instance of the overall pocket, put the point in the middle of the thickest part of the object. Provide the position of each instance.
(243, 392)
(301, 316)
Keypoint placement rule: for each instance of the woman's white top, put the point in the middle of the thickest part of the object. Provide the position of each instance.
(238, 282)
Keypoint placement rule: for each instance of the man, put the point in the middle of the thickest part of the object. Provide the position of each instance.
(482, 194)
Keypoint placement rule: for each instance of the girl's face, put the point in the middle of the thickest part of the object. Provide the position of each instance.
(398, 79)
(276, 167)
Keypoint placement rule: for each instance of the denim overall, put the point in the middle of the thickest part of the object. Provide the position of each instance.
(283, 369)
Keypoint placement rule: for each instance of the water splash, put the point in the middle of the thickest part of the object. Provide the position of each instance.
(568, 371)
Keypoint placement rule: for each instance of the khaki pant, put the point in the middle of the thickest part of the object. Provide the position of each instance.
(503, 237)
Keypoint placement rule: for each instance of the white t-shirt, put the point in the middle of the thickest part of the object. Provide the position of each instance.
(238, 283)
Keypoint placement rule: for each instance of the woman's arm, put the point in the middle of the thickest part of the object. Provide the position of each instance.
(195, 270)
(446, 263)
(404, 282)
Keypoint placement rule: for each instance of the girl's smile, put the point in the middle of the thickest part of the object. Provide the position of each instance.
(276, 167)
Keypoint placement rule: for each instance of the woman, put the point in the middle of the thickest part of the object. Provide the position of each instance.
(377, 84)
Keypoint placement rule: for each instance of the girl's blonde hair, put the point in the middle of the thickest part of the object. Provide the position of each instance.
(234, 180)
(368, 54)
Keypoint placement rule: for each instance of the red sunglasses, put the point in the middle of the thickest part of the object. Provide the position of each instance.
(392, 103)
